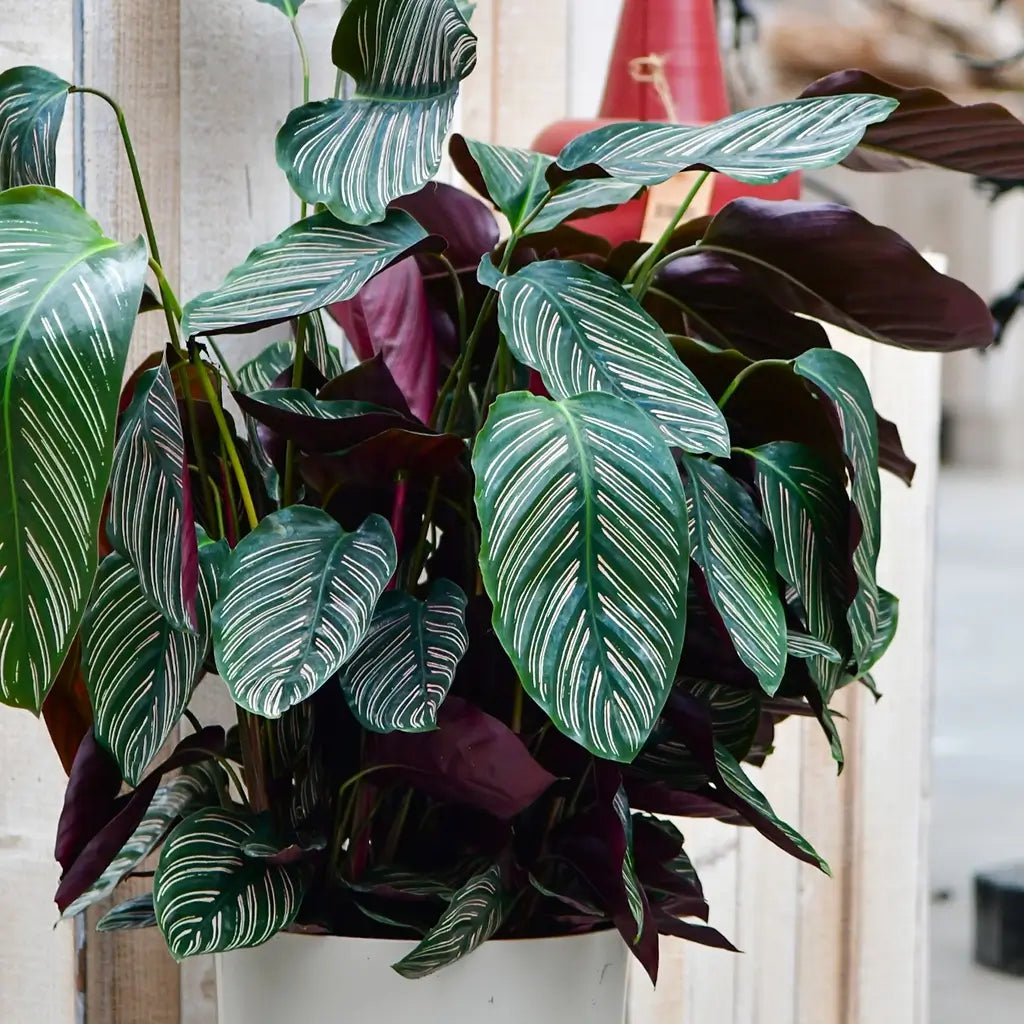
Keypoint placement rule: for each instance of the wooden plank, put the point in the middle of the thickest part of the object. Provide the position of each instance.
(38, 968)
(131, 976)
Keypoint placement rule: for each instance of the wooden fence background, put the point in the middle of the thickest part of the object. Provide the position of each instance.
(205, 87)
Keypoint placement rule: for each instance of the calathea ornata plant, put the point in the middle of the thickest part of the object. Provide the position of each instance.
(545, 556)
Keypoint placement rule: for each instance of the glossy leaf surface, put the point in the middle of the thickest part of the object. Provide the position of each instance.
(32, 102)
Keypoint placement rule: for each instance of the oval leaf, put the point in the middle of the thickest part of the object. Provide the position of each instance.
(475, 913)
(407, 58)
(68, 300)
(584, 332)
(32, 102)
(806, 509)
(759, 146)
(309, 265)
(730, 543)
(197, 786)
(140, 670)
(404, 667)
(838, 377)
(296, 599)
(150, 520)
(583, 554)
(211, 898)
(514, 181)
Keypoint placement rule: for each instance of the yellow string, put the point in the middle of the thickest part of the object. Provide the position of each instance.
(651, 70)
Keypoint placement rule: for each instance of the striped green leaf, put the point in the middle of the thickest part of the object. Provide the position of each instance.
(127, 916)
(758, 146)
(309, 265)
(210, 897)
(514, 181)
(888, 620)
(140, 670)
(475, 913)
(739, 783)
(318, 348)
(584, 556)
(150, 520)
(68, 301)
(297, 597)
(807, 510)
(803, 645)
(735, 714)
(630, 883)
(355, 156)
(32, 102)
(261, 371)
(404, 667)
(197, 786)
(839, 378)
(730, 543)
(584, 332)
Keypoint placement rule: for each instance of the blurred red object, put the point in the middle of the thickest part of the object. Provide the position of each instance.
(665, 65)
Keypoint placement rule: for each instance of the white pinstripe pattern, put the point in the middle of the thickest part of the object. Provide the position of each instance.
(404, 667)
(297, 598)
(309, 265)
(356, 155)
(475, 913)
(150, 520)
(734, 549)
(758, 146)
(840, 379)
(195, 787)
(140, 671)
(210, 898)
(584, 332)
(68, 300)
(584, 557)
(32, 104)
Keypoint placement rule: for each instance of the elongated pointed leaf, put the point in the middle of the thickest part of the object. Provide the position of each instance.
(141, 671)
(32, 102)
(309, 265)
(150, 521)
(829, 262)
(888, 620)
(475, 913)
(928, 128)
(197, 786)
(806, 509)
(296, 599)
(759, 146)
(584, 557)
(838, 377)
(127, 916)
(407, 58)
(514, 181)
(261, 371)
(211, 898)
(584, 332)
(803, 645)
(404, 667)
(68, 300)
(730, 543)
(317, 346)
(630, 882)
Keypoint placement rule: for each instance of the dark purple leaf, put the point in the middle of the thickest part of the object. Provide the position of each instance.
(369, 381)
(471, 758)
(929, 128)
(390, 316)
(95, 823)
(659, 798)
(466, 224)
(713, 300)
(668, 925)
(827, 261)
(67, 711)
(891, 455)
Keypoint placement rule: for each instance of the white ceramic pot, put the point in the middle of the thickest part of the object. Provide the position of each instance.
(306, 979)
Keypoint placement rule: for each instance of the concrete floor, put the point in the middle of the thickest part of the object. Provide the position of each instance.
(978, 783)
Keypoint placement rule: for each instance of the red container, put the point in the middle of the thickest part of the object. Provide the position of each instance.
(684, 34)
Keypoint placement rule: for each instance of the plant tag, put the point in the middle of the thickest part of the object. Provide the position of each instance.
(663, 200)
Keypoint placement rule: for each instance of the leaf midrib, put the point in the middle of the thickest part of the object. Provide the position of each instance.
(103, 245)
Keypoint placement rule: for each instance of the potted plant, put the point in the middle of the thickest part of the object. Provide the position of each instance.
(546, 565)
